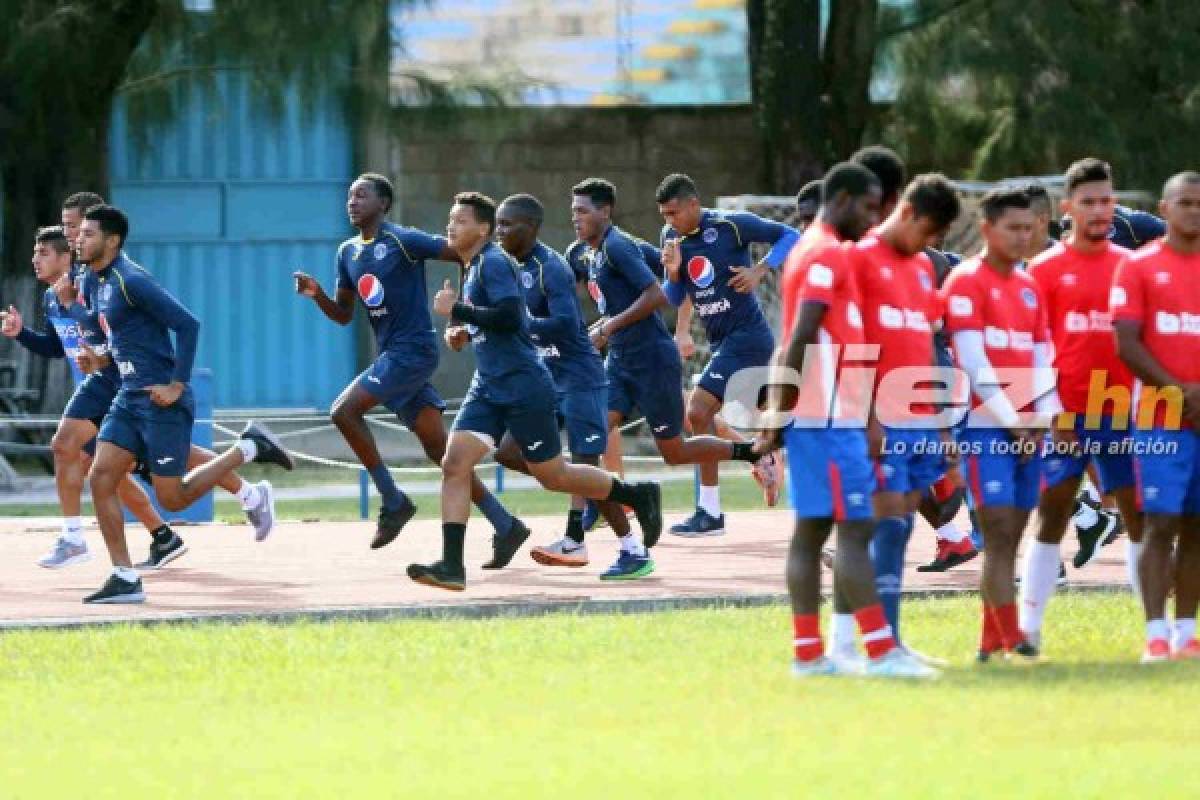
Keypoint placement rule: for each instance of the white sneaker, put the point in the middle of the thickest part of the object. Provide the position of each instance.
(64, 554)
(818, 666)
(929, 661)
(897, 663)
(563, 553)
(847, 659)
(262, 516)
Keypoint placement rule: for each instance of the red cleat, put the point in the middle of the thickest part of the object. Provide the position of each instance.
(949, 555)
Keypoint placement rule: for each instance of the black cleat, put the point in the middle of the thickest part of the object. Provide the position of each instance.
(440, 576)
(648, 509)
(505, 546)
(984, 656)
(1107, 526)
(1025, 653)
(270, 449)
(391, 523)
(118, 591)
(164, 548)
(950, 555)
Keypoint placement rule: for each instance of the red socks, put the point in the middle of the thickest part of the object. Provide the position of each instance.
(807, 643)
(1000, 628)
(876, 633)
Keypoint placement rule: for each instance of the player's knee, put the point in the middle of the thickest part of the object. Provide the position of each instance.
(552, 475)
(64, 446)
(342, 415)
(698, 420)
(170, 496)
(103, 480)
(454, 465)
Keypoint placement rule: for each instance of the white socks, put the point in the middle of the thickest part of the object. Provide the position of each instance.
(249, 495)
(1157, 629)
(710, 500)
(72, 529)
(951, 533)
(842, 630)
(1133, 551)
(1185, 631)
(249, 449)
(630, 543)
(127, 574)
(1038, 579)
(1086, 516)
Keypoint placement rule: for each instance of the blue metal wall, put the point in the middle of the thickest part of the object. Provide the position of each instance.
(225, 202)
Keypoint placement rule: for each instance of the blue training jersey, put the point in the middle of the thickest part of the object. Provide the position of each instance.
(720, 242)
(388, 275)
(63, 337)
(504, 361)
(618, 273)
(556, 321)
(139, 316)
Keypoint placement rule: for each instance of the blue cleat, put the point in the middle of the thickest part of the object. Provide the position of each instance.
(629, 567)
(700, 524)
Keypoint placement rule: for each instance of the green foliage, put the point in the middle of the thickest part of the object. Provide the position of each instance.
(993, 89)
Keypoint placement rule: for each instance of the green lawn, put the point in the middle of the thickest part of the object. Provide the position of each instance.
(739, 492)
(686, 704)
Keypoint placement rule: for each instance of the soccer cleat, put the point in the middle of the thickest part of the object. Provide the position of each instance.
(270, 449)
(262, 516)
(949, 555)
(1157, 651)
(817, 666)
(504, 547)
(985, 656)
(629, 567)
(563, 553)
(897, 663)
(1107, 526)
(439, 575)
(118, 591)
(1188, 651)
(64, 554)
(648, 510)
(391, 523)
(766, 472)
(164, 548)
(699, 525)
(929, 661)
(847, 659)
(591, 515)
(1024, 654)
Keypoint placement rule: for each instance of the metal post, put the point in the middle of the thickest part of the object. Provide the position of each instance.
(364, 494)
(499, 479)
(696, 486)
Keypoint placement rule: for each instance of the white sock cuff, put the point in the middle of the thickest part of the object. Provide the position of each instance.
(249, 449)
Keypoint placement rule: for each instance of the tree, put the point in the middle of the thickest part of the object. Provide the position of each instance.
(1014, 88)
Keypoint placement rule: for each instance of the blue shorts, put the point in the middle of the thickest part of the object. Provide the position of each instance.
(531, 422)
(829, 473)
(731, 357)
(401, 382)
(1106, 448)
(159, 437)
(584, 415)
(996, 475)
(651, 380)
(1167, 466)
(91, 401)
(912, 460)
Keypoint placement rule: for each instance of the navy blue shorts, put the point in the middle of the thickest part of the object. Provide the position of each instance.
(91, 401)
(402, 382)
(731, 357)
(650, 380)
(913, 459)
(583, 413)
(1168, 471)
(1107, 449)
(830, 475)
(160, 437)
(531, 421)
(996, 473)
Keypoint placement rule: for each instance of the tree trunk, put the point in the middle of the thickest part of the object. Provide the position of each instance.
(786, 79)
(848, 60)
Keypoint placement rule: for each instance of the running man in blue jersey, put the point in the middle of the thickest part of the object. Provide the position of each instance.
(152, 415)
(706, 255)
(511, 392)
(558, 331)
(643, 365)
(385, 267)
(85, 410)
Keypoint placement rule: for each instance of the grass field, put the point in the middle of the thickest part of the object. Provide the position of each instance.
(739, 492)
(686, 704)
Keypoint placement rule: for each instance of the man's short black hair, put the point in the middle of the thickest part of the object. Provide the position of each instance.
(1001, 198)
(598, 190)
(82, 201)
(382, 186)
(1179, 180)
(55, 236)
(888, 168)
(527, 207)
(675, 186)
(809, 196)
(1087, 170)
(933, 196)
(1039, 198)
(112, 221)
(849, 177)
(483, 206)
